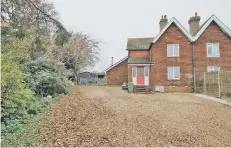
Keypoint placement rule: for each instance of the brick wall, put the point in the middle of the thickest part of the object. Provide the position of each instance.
(159, 74)
(123, 73)
(137, 54)
(129, 73)
(118, 74)
(213, 34)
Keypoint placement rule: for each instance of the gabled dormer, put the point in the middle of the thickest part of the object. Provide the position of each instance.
(138, 50)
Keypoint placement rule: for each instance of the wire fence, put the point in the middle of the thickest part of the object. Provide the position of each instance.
(217, 84)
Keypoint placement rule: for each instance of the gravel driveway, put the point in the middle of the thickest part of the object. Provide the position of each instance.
(109, 116)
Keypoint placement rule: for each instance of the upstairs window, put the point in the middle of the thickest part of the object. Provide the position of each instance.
(213, 68)
(173, 50)
(173, 73)
(213, 50)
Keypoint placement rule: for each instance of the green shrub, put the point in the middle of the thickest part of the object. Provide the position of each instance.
(24, 130)
(45, 77)
(13, 89)
(21, 132)
(38, 105)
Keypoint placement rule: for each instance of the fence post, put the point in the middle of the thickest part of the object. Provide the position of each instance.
(219, 84)
(204, 83)
(194, 83)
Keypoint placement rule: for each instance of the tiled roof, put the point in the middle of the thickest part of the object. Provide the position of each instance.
(139, 43)
(139, 61)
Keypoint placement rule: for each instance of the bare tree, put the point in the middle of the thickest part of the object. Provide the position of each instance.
(80, 52)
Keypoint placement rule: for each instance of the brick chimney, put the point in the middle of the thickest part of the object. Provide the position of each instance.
(194, 24)
(163, 21)
(112, 61)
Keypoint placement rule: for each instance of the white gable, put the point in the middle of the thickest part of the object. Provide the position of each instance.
(173, 20)
(117, 63)
(224, 28)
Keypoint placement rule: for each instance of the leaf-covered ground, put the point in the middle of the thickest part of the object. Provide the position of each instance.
(108, 116)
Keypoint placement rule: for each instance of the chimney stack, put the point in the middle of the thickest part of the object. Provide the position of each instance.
(194, 24)
(111, 61)
(163, 21)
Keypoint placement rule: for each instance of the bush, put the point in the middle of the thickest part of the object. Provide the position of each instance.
(21, 132)
(45, 77)
(13, 128)
(13, 90)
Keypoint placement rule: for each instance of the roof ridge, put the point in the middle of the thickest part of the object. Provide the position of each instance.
(221, 22)
(178, 24)
(182, 26)
(212, 18)
(202, 28)
(139, 43)
(203, 24)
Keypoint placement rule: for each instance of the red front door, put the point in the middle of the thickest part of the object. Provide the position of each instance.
(140, 75)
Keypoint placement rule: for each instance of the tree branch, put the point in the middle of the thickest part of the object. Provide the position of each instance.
(59, 25)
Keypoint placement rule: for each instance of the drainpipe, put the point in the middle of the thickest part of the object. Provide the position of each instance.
(150, 75)
(106, 78)
(194, 66)
(150, 69)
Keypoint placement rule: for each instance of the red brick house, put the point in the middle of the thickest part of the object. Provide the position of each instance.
(170, 61)
(117, 73)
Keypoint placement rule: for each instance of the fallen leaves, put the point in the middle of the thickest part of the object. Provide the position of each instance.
(102, 116)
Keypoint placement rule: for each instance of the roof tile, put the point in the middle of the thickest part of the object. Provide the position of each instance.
(139, 43)
(139, 61)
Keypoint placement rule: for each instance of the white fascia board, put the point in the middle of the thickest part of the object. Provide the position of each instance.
(141, 64)
(224, 28)
(116, 64)
(173, 20)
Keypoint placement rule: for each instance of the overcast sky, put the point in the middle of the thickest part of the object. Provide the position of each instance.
(113, 21)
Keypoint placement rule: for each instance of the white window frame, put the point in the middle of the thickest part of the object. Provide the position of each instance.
(173, 68)
(214, 53)
(213, 68)
(134, 71)
(172, 47)
(146, 71)
(146, 75)
(134, 77)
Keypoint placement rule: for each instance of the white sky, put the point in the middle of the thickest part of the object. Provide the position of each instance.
(113, 21)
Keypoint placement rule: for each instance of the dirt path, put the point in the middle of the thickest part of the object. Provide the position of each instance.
(108, 116)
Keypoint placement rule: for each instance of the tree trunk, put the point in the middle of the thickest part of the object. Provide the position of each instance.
(75, 77)
(76, 80)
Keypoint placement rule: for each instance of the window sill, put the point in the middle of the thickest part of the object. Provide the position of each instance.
(173, 79)
(213, 57)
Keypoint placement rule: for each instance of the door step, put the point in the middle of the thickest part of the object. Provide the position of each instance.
(142, 89)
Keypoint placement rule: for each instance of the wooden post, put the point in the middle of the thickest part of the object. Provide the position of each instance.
(204, 82)
(194, 82)
(219, 84)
